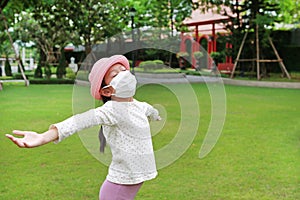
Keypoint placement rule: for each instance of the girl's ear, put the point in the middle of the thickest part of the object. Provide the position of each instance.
(106, 91)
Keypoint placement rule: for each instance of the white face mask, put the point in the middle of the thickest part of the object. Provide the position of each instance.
(124, 84)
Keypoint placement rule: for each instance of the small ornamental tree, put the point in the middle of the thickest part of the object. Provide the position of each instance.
(7, 67)
(47, 71)
(182, 57)
(61, 68)
(198, 55)
(217, 57)
(38, 73)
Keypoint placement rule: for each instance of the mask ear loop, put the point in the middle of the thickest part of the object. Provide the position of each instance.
(107, 86)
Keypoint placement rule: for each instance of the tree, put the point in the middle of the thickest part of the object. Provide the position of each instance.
(257, 17)
(91, 21)
(54, 24)
(5, 28)
(161, 19)
(289, 11)
(247, 16)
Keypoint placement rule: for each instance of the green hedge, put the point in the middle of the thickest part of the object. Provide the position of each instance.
(287, 49)
(151, 65)
(82, 75)
(19, 75)
(70, 74)
(6, 78)
(51, 81)
(290, 56)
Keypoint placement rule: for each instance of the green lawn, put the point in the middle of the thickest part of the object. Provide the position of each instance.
(256, 157)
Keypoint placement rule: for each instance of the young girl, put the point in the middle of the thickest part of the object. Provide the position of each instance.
(125, 127)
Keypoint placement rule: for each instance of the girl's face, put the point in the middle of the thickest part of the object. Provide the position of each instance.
(112, 72)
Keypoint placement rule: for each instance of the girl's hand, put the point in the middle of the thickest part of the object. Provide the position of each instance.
(30, 139)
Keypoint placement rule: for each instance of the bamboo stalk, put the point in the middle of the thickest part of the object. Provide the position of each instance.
(283, 68)
(257, 53)
(247, 60)
(239, 54)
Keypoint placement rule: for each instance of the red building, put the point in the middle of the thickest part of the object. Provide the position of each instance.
(204, 30)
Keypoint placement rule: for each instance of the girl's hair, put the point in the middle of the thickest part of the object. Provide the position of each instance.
(101, 135)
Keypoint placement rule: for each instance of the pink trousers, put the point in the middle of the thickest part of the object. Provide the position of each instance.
(113, 191)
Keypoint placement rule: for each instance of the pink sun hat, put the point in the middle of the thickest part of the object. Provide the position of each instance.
(99, 70)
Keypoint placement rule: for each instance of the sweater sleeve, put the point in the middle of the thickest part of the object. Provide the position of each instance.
(152, 113)
(82, 121)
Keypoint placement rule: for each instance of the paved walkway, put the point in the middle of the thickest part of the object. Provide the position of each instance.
(293, 85)
(145, 78)
(10, 81)
(181, 78)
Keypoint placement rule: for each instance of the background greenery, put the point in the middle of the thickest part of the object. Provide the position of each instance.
(256, 157)
(51, 25)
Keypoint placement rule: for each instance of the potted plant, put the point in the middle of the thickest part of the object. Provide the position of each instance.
(198, 55)
(47, 71)
(217, 57)
(182, 57)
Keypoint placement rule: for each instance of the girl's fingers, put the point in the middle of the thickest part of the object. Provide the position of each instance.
(26, 145)
(20, 133)
(12, 138)
(17, 141)
(9, 136)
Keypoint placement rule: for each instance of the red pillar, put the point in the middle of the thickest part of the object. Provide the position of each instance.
(214, 37)
(229, 47)
(197, 32)
(230, 57)
(227, 57)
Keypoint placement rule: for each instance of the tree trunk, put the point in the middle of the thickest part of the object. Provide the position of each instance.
(18, 59)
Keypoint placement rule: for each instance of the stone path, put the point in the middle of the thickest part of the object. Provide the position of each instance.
(181, 78)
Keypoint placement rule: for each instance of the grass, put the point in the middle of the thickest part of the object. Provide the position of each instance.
(256, 157)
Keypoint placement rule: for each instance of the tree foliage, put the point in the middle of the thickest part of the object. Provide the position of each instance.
(52, 24)
(287, 11)
(89, 22)
(249, 16)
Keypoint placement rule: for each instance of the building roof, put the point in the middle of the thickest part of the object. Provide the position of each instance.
(204, 21)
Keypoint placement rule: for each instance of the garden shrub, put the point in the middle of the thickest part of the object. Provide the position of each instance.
(151, 65)
(70, 74)
(47, 71)
(82, 75)
(148, 65)
(51, 81)
(38, 73)
(158, 61)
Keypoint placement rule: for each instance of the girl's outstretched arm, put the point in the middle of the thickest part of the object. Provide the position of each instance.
(32, 139)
